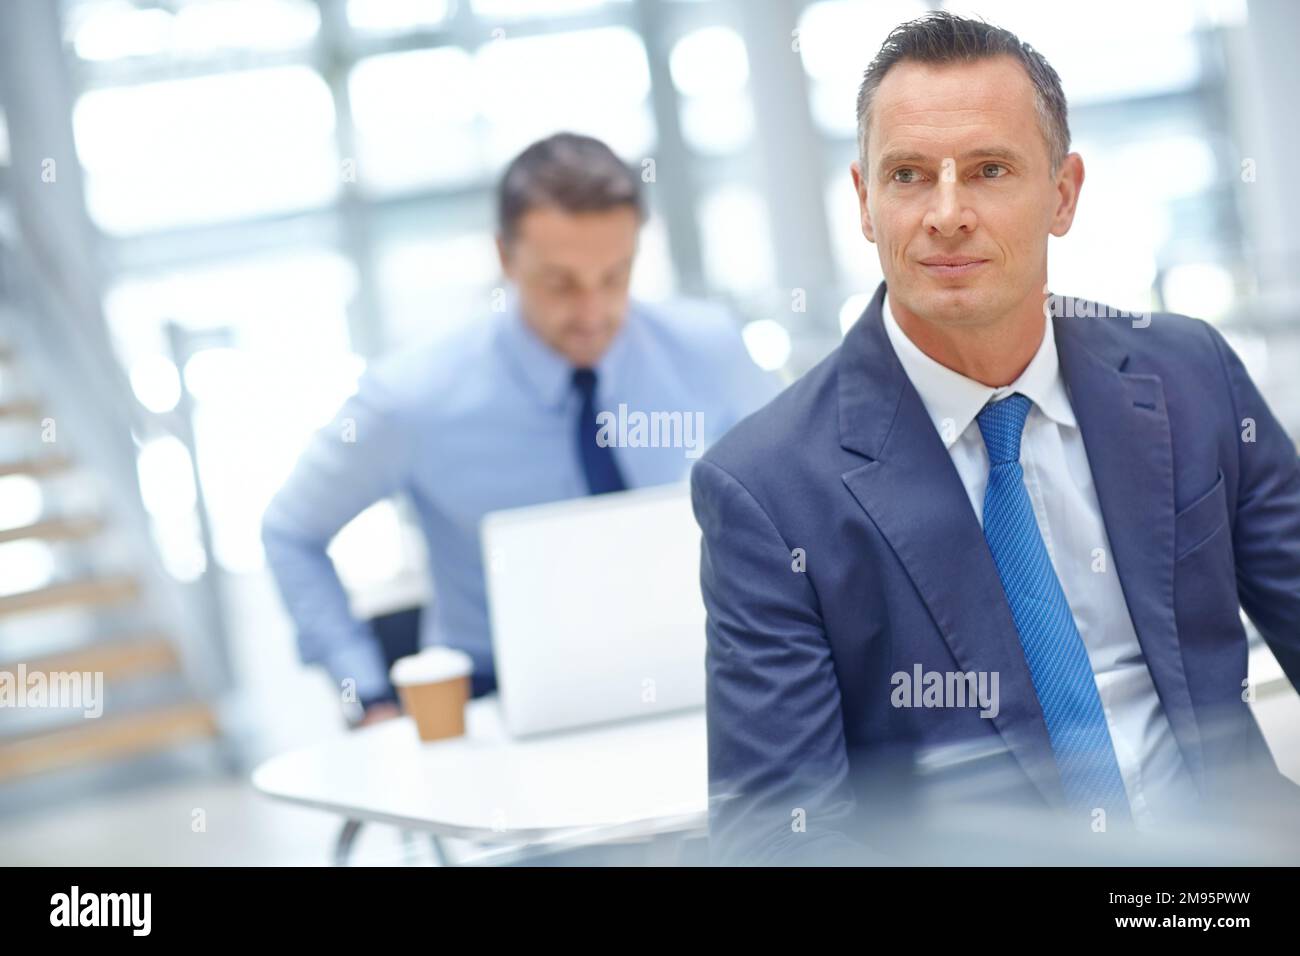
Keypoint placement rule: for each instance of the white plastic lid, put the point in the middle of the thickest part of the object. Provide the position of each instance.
(431, 666)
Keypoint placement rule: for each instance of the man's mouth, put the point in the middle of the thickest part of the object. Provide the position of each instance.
(952, 265)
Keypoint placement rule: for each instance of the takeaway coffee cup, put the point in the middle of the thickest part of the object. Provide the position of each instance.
(434, 688)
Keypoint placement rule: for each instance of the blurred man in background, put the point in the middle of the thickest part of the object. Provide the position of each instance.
(503, 412)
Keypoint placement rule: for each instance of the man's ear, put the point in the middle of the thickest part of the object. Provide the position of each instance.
(503, 254)
(864, 211)
(1069, 182)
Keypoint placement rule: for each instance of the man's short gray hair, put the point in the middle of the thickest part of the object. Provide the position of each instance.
(945, 38)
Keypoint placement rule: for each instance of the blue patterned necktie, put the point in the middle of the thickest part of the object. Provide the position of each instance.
(1054, 651)
(599, 466)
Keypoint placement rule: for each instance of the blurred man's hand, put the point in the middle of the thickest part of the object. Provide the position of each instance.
(377, 712)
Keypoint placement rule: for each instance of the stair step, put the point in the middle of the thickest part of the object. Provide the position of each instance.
(86, 592)
(45, 465)
(106, 738)
(20, 408)
(55, 529)
(118, 659)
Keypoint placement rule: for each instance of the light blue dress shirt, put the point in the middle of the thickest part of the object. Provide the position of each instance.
(481, 419)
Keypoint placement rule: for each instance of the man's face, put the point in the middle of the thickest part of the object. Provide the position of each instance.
(572, 272)
(957, 193)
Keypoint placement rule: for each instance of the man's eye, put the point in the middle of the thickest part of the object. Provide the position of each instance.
(905, 175)
(998, 170)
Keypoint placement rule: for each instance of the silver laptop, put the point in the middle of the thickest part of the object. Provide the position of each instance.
(595, 609)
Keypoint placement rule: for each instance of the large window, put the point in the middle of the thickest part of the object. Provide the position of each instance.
(300, 186)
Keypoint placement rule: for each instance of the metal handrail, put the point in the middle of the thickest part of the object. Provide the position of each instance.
(94, 391)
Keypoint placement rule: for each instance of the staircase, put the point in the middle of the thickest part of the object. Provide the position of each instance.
(85, 625)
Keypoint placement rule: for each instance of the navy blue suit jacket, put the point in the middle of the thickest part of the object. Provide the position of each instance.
(846, 465)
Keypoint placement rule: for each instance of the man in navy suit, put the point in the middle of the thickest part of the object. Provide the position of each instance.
(991, 551)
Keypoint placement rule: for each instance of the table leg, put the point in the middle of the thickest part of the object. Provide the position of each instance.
(343, 844)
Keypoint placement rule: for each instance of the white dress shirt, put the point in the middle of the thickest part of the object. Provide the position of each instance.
(1059, 481)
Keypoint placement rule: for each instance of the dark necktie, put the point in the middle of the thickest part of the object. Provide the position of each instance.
(598, 463)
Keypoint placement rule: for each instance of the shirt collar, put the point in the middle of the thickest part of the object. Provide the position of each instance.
(953, 400)
(546, 372)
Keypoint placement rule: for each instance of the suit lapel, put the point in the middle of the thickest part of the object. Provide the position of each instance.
(910, 490)
(1125, 427)
(912, 493)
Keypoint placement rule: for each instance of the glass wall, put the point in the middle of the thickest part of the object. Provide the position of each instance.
(288, 188)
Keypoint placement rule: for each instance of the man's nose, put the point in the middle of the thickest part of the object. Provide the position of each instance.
(948, 213)
(589, 308)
